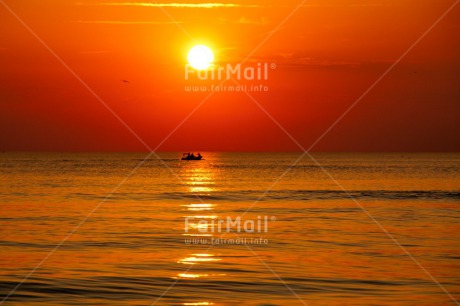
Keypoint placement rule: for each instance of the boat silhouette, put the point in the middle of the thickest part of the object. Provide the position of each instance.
(188, 156)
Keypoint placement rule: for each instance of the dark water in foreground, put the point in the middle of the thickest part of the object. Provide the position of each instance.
(339, 234)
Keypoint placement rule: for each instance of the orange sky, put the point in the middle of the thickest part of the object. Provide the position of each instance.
(327, 54)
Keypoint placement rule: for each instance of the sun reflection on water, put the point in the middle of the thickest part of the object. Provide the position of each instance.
(202, 217)
(200, 178)
(197, 258)
(191, 275)
(199, 207)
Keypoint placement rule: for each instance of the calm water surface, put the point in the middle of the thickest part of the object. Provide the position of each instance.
(324, 245)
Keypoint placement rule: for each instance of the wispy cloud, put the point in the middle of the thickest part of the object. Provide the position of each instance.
(262, 21)
(302, 60)
(353, 3)
(208, 5)
(126, 22)
(95, 52)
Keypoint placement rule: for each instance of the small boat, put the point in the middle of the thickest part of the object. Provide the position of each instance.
(191, 156)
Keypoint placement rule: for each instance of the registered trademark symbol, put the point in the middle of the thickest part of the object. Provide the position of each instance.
(273, 218)
(273, 66)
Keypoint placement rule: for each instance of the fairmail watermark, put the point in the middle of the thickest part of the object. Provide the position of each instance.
(238, 72)
(226, 88)
(227, 241)
(228, 224)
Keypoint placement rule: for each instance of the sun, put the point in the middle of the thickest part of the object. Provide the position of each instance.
(200, 57)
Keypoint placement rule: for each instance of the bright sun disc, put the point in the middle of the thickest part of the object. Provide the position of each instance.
(200, 57)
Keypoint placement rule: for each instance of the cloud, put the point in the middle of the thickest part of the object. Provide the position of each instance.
(210, 5)
(260, 21)
(126, 22)
(95, 52)
(177, 5)
(303, 60)
(246, 21)
(352, 3)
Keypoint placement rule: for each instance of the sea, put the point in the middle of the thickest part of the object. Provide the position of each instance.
(232, 229)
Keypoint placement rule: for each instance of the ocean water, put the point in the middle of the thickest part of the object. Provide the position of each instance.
(342, 229)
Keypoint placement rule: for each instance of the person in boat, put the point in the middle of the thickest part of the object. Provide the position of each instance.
(192, 155)
(199, 155)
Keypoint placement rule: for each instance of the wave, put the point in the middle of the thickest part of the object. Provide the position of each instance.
(308, 195)
(108, 289)
(280, 195)
(248, 195)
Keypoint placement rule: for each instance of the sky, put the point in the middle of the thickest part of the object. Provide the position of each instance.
(87, 75)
